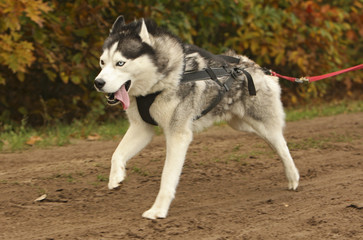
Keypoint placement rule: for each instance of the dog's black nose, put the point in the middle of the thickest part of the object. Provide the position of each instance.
(99, 83)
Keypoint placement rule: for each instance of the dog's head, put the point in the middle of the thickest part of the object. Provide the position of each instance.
(127, 62)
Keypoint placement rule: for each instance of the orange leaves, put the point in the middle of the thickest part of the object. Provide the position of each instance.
(299, 57)
(17, 53)
(13, 10)
(34, 10)
(33, 140)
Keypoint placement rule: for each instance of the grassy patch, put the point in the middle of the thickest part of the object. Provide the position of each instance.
(140, 171)
(330, 109)
(69, 177)
(15, 138)
(309, 143)
(102, 178)
(321, 142)
(242, 157)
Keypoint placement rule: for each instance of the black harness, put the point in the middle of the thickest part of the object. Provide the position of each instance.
(144, 102)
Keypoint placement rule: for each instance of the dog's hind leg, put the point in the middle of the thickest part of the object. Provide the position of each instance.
(272, 133)
(177, 146)
(136, 138)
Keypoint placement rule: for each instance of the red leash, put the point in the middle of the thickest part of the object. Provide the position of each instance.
(317, 78)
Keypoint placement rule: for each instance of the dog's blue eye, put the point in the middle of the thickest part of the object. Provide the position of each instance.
(120, 63)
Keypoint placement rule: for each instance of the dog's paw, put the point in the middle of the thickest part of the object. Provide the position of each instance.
(113, 185)
(293, 185)
(155, 213)
(116, 177)
(293, 180)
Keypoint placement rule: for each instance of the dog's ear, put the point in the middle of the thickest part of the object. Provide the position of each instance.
(116, 27)
(144, 33)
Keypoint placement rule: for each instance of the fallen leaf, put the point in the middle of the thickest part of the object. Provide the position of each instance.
(93, 137)
(41, 198)
(33, 140)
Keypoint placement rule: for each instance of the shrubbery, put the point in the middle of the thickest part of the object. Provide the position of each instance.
(49, 50)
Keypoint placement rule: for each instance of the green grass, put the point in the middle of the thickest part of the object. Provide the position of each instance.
(102, 178)
(323, 110)
(139, 171)
(68, 177)
(15, 138)
(321, 142)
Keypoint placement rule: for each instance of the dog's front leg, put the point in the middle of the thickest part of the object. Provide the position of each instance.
(177, 146)
(135, 139)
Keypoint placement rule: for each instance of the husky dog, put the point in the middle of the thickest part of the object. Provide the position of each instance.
(140, 59)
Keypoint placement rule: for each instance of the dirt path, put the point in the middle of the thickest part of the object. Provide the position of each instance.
(232, 187)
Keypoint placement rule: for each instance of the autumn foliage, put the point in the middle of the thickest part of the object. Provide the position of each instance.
(49, 49)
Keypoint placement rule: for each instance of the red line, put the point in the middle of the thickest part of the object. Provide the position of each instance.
(317, 78)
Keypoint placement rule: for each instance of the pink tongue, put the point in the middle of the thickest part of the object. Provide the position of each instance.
(123, 96)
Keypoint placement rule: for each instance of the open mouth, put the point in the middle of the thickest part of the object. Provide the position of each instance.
(120, 96)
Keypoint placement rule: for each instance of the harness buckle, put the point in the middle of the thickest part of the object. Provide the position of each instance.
(236, 72)
(301, 80)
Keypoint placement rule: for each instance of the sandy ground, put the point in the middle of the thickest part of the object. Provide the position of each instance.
(232, 187)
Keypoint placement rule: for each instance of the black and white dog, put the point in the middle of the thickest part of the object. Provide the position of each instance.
(140, 60)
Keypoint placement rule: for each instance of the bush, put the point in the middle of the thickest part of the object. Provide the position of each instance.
(49, 50)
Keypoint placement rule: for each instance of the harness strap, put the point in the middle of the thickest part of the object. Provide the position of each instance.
(250, 85)
(226, 86)
(214, 103)
(215, 73)
(144, 102)
(143, 105)
(203, 75)
(230, 59)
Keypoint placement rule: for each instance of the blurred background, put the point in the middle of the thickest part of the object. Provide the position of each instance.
(49, 50)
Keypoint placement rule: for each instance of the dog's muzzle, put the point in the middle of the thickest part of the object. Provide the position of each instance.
(111, 97)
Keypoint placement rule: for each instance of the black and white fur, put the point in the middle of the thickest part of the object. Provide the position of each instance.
(148, 59)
